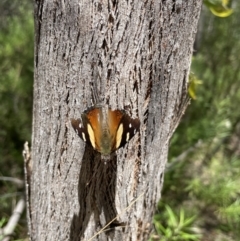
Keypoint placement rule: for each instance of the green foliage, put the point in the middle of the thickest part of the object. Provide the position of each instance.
(219, 8)
(13, 8)
(205, 150)
(173, 227)
(219, 94)
(193, 85)
(2, 222)
(16, 82)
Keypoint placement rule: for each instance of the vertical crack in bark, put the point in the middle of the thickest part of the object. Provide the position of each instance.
(38, 8)
(137, 168)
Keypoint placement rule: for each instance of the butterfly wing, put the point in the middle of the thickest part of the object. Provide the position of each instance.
(88, 129)
(114, 120)
(127, 129)
(122, 127)
(91, 120)
(80, 129)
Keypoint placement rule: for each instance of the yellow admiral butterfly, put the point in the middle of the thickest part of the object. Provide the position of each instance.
(104, 129)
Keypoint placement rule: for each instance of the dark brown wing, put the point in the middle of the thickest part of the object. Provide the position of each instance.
(80, 130)
(127, 128)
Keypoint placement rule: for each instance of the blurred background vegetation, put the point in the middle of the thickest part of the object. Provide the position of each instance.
(201, 196)
(16, 87)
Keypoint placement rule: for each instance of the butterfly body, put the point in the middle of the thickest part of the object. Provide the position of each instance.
(104, 129)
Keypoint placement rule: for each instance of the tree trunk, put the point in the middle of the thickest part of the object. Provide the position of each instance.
(136, 55)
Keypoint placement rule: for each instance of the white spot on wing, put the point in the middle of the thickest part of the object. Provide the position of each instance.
(80, 125)
(130, 125)
(83, 136)
(127, 137)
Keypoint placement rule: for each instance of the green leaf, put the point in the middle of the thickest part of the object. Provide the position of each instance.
(219, 7)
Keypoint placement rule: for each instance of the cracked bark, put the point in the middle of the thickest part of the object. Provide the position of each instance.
(137, 55)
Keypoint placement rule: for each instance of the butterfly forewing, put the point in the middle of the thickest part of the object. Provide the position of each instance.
(114, 120)
(92, 121)
(80, 129)
(130, 127)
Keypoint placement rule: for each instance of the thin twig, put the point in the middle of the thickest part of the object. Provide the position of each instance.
(15, 180)
(27, 172)
(12, 194)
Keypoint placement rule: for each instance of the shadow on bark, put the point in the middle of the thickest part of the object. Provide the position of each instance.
(96, 194)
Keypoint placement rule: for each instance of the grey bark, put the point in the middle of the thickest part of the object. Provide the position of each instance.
(137, 55)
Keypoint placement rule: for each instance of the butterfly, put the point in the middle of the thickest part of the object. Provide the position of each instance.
(104, 129)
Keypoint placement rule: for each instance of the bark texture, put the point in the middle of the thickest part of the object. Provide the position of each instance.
(136, 55)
